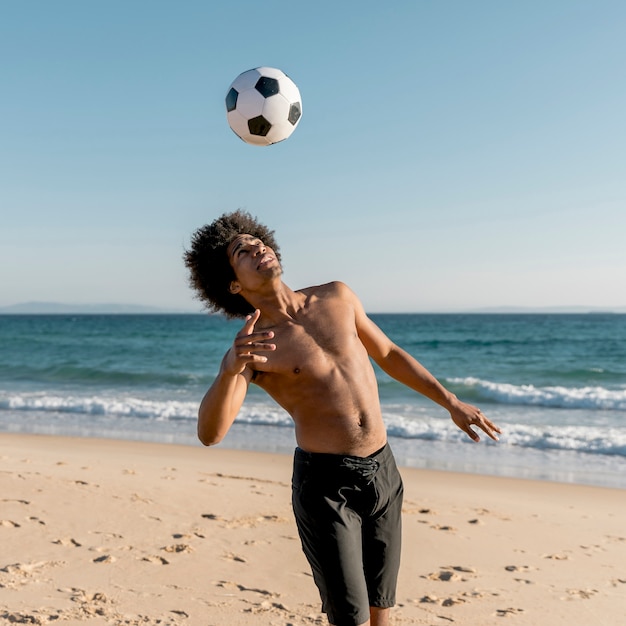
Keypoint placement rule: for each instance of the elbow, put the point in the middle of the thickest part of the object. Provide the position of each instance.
(209, 438)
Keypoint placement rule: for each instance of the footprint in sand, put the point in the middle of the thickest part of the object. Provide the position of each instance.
(135, 497)
(245, 522)
(20, 574)
(556, 557)
(227, 584)
(518, 568)
(178, 547)
(443, 576)
(508, 612)
(267, 607)
(9, 523)
(105, 558)
(499, 516)
(581, 594)
(446, 528)
(442, 601)
(157, 560)
(593, 549)
(27, 569)
(451, 573)
(67, 541)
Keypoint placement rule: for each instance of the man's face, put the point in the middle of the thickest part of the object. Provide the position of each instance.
(252, 261)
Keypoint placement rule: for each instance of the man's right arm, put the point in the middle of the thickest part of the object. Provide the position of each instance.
(222, 401)
(220, 405)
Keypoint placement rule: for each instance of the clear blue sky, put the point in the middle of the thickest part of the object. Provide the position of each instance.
(452, 155)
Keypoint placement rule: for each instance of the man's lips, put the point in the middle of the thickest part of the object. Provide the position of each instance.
(267, 258)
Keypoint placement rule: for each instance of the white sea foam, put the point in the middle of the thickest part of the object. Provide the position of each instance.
(579, 438)
(100, 406)
(556, 396)
(402, 421)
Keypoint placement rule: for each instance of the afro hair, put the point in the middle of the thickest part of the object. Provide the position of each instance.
(210, 271)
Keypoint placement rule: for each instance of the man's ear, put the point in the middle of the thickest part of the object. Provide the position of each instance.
(235, 287)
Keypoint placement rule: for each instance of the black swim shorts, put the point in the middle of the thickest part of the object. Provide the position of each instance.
(348, 513)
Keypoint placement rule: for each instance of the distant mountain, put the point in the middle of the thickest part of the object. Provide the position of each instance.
(44, 308)
(550, 309)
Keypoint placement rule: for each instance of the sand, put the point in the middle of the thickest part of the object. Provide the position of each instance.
(118, 532)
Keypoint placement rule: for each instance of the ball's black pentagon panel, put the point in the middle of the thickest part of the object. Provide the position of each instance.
(231, 100)
(267, 86)
(295, 111)
(259, 126)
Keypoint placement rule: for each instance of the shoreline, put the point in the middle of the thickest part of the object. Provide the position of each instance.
(560, 466)
(127, 532)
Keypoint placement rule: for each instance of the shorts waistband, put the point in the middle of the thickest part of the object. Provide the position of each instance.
(328, 458)
(366, 467)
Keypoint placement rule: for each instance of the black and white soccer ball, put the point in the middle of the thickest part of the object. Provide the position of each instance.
(263, 106)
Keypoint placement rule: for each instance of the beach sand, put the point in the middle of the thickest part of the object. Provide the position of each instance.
(119, 532)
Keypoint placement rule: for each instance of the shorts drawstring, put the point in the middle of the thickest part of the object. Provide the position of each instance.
(365, 467)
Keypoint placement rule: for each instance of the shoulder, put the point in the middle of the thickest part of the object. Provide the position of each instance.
(334, 289)
(335, 296)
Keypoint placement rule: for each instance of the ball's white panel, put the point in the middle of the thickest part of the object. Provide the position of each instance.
(246, 80)
(250, 103)
(279, 132)
(289, 90)
(238, 123)
(272, 72)
(256, 140)
(275, 109)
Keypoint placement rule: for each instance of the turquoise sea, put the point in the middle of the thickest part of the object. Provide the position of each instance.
(556, 384)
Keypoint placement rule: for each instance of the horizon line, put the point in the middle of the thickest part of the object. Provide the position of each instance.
(51, 308)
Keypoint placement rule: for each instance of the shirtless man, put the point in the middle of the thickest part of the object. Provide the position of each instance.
(310, 350)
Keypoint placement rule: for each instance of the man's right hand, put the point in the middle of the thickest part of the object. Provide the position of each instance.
(247, 344)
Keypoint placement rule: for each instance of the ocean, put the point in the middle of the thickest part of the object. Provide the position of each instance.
(555, 383)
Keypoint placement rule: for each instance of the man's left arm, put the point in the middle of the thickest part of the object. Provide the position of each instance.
(400, 365)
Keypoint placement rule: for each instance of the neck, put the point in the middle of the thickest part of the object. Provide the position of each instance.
(277, 303)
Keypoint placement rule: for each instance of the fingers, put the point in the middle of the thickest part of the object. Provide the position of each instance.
(247, 346)
(250, 349)
(248, 342)
(485, 425)
(470, 416)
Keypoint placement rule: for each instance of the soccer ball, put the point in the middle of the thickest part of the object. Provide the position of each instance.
(263, 106)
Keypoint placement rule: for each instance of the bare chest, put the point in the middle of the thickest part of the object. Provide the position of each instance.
(309, 348)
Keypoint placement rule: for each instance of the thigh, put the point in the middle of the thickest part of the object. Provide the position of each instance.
(382, 537)
(330, 532)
